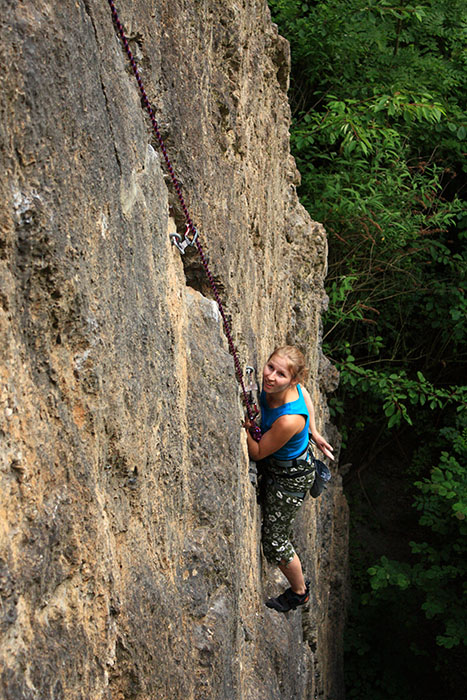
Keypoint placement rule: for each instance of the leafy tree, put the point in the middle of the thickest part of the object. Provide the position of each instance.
(379, 130)
(378, 94)
(433, 585)
(440, 569)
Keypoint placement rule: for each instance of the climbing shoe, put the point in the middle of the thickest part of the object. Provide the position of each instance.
(288, 600)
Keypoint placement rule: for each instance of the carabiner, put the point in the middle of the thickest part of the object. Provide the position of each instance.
(250, 384)
(251, 388)
(182, 243)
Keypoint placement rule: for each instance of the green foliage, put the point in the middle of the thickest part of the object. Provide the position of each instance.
(440, 570)
(411, 612)
(379, 97)
(397, 391)
(379, 103)
(379, 131)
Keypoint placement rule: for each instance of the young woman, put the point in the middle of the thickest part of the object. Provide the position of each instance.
(287, 416)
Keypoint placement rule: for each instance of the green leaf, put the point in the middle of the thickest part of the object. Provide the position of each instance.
(394, 420)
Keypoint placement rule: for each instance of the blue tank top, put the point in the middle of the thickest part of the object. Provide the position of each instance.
(297, 443)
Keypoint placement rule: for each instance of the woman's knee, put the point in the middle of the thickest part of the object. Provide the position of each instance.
(277, 551)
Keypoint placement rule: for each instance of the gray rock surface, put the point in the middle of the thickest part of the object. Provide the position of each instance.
(130, 564)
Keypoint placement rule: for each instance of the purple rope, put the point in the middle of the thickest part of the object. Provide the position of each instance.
(256, 432)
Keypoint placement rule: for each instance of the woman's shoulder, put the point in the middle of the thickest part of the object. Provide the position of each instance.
(289, 421)
(303, 391)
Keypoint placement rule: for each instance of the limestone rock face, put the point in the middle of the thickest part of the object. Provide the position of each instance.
(130, 562)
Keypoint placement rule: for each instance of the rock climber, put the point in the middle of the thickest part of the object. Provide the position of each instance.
(287, 464)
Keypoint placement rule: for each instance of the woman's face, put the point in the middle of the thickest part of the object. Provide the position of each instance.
(276, 375)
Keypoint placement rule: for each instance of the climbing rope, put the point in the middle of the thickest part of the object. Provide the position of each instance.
(190, 227)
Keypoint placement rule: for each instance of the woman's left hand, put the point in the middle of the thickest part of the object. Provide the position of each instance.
(323, 445)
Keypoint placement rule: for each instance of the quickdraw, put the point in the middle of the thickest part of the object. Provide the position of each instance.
(252, 390)
(183, 242)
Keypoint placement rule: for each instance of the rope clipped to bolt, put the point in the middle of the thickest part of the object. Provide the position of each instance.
(255, 430)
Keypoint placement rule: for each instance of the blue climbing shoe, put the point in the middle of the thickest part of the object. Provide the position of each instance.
(289, 600)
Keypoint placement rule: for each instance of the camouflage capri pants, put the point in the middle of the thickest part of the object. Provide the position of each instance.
(281, 502)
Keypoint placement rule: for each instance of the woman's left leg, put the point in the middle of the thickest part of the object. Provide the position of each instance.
(294, 574)
(282, 499)
(280, 507)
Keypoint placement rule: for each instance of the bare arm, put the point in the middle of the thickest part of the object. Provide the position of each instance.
(324, 446)
(280, 432)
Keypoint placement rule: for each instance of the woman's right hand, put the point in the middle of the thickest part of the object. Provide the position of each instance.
(248, 423)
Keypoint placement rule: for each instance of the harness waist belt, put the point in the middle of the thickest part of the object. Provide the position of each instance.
(290, 462)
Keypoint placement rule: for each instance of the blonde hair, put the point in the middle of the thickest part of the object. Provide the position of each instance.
(295, 359)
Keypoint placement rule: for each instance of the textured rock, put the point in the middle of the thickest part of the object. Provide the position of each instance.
(130, 562)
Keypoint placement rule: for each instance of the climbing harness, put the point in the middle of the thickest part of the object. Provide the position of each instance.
(306, 460)
(182, 242)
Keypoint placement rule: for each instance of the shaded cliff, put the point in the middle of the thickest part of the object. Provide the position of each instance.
(130, 563)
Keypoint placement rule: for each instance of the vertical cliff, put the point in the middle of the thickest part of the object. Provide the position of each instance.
(130, 563)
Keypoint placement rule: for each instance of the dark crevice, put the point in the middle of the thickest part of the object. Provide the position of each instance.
(196, 277)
